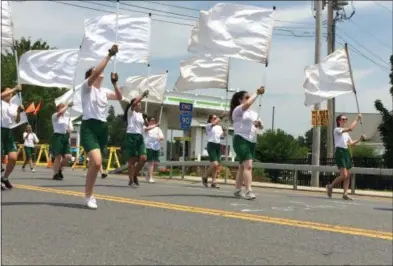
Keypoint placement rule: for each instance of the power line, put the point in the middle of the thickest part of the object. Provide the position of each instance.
(361, 45)
(372, 35)
(356, 51)
(379, 4)
(176, 6)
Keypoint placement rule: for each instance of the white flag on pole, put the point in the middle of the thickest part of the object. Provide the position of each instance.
(328, 79)
(7, 34)
(133, 38)
(49, 68)
(68, 97)
(203, 72)
(23, 117)
(156, 84)
(233, 30)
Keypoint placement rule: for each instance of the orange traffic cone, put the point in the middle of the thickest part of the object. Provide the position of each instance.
(49, 164)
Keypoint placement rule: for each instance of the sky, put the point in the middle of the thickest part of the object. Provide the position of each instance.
(368, 33)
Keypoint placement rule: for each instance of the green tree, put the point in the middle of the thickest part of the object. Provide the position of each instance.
(278, 146)
(386, 127)
(364, 151)
(42, 122)
(307, 141)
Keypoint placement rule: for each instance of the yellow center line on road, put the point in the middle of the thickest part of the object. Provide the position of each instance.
(228, 214)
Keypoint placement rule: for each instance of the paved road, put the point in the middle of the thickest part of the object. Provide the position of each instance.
(174, 222)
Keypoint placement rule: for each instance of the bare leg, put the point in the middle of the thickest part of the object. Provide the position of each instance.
(8, 169)
(95, 161)
(247, 176)
(215, 172)
(208, 173)
(56, 164)
(139, 166)
(343, 175)
(150, 169)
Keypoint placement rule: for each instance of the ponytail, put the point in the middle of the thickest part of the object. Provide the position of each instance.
(125, 116)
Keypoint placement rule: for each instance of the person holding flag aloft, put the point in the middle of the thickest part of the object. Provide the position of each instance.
(60, 144)
(94, 127)
(245, 124)
(342, 156)
(134, 148)
(29, 141)
(10, 115)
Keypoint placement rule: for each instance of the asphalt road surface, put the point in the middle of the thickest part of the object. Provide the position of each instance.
(174, 222)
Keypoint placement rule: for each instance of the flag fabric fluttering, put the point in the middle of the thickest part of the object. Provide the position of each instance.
(49, 68)
(156, 84)
(30, 108)
(7, 34)
(38, 108)
(233, 30)
(203, 72)
(23, 117)
(69, 96)
(328, 79)
(133, 38)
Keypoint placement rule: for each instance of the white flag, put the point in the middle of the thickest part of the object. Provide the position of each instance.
(233, 30)
(156, 84)
(49, 68)
(71, 96)
(328, 79)
(23, 117)
(203, 72)
(7, 34)
(133, 38)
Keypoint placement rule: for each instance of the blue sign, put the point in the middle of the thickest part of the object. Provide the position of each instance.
(185, 121)
(185, 107)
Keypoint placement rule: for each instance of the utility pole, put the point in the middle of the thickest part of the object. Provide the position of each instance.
(316, 138)
(330, 104)
(273, 118)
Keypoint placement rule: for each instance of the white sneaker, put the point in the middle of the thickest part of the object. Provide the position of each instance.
(238, 194)
(151, 180)
(33, 170)
(249, 195)
(91, 203)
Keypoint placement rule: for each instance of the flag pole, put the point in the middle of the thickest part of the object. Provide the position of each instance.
(162, 106)
(148, 74)
(117, 29)
(226, 110)
(353, 84)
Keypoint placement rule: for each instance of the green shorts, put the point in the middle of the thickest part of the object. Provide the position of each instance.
(133, 146)
(7, 141)
(29, 151)
(153, 155)
(343, 158)
(244, 149)
(94, 135)
(214, 151)
(60, 144)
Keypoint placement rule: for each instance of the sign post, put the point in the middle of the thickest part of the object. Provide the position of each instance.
(185, 123)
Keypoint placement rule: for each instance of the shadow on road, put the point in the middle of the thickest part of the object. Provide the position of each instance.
(190, 195)
(66, 205)
(384, 209)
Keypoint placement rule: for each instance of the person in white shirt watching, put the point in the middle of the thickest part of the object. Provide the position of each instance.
(10, 115)
(94, 127)
(29, 141)
(153, 137)
(245, 124)
(214, 133)
(342, 155)
(60, 141)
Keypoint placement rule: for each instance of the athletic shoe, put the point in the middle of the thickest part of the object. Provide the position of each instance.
(132, 184)
(104, 175)
(91, 203)
(151, 180)
(214, 186)
(32, 170)
(2, 169)
(249, 195)
(6, 183)
(238, 194)
(136, 181)
(329, 190)
(56, 177)
(61, 175)
(346, 197)
(3, 187)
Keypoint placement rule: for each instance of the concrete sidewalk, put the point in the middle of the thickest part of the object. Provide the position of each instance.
(358, 192)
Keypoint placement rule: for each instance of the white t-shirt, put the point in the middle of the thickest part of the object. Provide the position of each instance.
(94, 102)
(8, 114)
(151, 138)
(60, 124)
(214, 133)
(135, 122)
(29, 139)
(341, 139)
(243, 123)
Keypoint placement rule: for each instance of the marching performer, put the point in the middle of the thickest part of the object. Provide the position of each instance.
(29, 141)
(342, 142)
(134, 148)
(245, 123)
(10, 114)
(214, 133)
(94, 127)
(153, 138)
(60, 144)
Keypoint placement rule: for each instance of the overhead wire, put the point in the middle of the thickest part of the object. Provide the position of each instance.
(384, 7)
